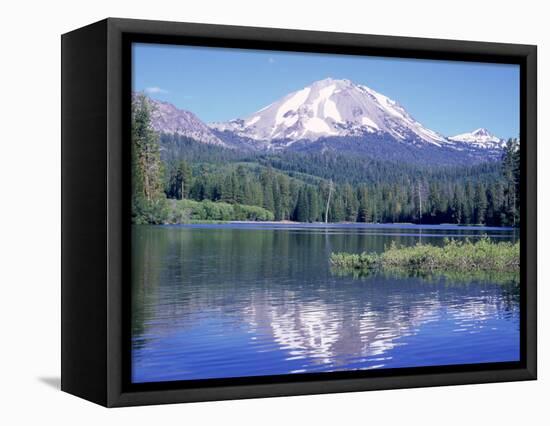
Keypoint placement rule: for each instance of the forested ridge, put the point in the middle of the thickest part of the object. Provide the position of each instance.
(217, 183)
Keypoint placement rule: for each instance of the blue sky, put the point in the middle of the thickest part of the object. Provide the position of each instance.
(221, 84)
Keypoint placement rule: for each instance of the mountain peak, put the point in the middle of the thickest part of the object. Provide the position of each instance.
(331, 108)
(329, 80)
(481, 132)
(481, 138)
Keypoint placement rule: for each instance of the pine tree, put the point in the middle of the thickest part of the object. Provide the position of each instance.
(148, 200)
(268, 201)
(179, 181)
(313, 204)
(337, 211)
(302, 207)
(468, 204)
(277, 201)
(456, 207)
(350, 203)
(240, 184)
(284, 193)
(480, 203)
(364, 213)
(227, 190)
(511, 176)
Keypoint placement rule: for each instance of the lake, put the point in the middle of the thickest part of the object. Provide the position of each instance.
(233, 300)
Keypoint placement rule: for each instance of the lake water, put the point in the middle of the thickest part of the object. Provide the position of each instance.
(233, 300)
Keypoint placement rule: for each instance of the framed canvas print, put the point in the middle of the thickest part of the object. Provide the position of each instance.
(253, 212)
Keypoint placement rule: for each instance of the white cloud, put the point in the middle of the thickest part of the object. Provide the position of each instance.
(155, 90)
(271, 60)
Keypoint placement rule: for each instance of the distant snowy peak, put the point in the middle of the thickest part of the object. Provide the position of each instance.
(166, 118)
(327, 108)
(480, 138)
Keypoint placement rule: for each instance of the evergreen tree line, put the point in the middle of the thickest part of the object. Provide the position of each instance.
(444, 200)
(313, 166)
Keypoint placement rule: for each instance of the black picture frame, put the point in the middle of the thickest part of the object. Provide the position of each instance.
(96, 96)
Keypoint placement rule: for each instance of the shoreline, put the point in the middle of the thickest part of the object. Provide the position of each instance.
(396, 225)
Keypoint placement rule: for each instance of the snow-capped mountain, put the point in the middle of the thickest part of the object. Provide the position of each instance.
(331, 108)
(335, 116)
(479, 138)
(166, 118)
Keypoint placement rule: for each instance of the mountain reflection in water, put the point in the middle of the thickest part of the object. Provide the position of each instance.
(232, 301)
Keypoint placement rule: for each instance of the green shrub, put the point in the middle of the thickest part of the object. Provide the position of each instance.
(150, 212)
(482, 255)
(185, 211)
